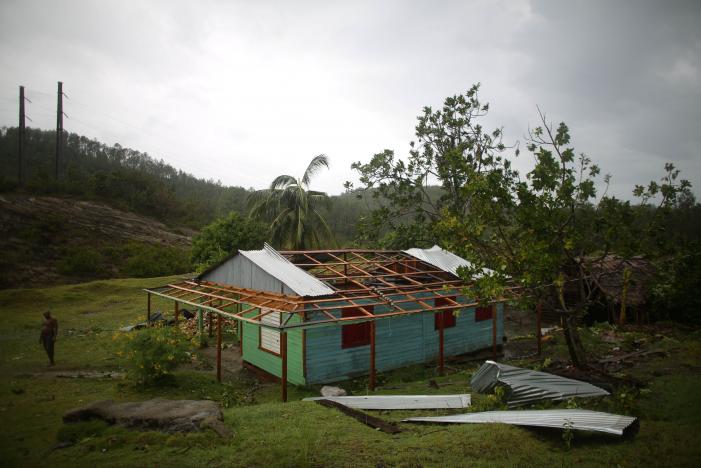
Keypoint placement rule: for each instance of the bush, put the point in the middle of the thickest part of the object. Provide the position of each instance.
(146, 261)
(153, 353)
(82, 261)
(224, 237)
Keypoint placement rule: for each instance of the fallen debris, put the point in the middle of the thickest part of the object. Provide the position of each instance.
(372, 421)
(157, 414)
(400, 402)
(623, 357)
(579, 419)
(329, 391)
(524, 386)
(80, 374)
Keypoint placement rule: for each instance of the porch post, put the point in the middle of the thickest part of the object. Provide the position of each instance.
(283, 355)
(218, 347)
(494, 331)
(372, 382)
(539, 318)
(441, 344)
(200, 323)
(148, 309)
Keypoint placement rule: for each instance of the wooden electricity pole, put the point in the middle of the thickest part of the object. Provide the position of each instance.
(59, 128)
(20, 145)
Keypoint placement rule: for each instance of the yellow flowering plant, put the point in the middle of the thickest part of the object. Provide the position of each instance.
(153, 353)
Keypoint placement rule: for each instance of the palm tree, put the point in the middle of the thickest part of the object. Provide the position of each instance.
(293, 210)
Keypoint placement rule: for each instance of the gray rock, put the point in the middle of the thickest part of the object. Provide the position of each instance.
(329, 391)
(157, 414)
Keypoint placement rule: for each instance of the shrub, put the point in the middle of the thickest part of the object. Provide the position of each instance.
(224, 237)
(146, 261)
(153, 353)
(82, 261)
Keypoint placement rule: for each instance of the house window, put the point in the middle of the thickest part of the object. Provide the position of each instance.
(270, 339)
(356, 334)
(483, 313)
(448, 316)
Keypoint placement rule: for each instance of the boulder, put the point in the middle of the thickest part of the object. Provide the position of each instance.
(329, 391)
(157, 414)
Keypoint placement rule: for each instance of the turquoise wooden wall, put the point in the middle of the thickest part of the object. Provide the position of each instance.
(400, 341)
(269, 362)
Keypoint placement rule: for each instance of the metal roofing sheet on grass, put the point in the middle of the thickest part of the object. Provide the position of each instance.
(401, 402)
(526, 386)
(579, 419)
(294, 277)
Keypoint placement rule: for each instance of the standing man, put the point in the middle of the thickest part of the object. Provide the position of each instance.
(49, 332)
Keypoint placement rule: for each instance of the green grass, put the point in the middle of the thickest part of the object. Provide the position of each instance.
(268, 433)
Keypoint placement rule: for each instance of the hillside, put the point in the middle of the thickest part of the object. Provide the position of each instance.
(49, 240)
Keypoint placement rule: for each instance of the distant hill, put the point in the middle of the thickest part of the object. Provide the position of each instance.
(121, 177)
(49, 240)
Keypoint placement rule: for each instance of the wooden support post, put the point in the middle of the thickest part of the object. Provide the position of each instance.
(200, 323)
(240, 333)
(441, 344)
(283, 355)
(494, 331)
(210, 319)
(218, 348)
(373, 376)
(176, 307)
(148, 309)
(538, 335)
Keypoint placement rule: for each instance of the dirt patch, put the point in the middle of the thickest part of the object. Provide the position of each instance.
(79, 374)
(157, 414)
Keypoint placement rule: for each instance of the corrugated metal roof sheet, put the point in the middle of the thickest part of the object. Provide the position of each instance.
(294, 277)
(440, 258)
(401, 402)
(580, 419)
(526, 386)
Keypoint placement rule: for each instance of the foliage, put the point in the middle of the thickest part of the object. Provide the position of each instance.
(293, 210)
(81, 262)
(452, 148)
(123, 177)
(148, 260)
(533, 230)
(224, 237)
(675, 293)
(492, 402)
(153, 353)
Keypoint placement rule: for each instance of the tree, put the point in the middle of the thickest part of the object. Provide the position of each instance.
(451, 149)
(224, 237)
(530, 235)
(292, 209)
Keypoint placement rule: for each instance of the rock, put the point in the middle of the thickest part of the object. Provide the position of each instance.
(157, 414)
(329, 391)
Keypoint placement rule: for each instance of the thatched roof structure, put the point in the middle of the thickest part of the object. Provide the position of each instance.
(607, 274)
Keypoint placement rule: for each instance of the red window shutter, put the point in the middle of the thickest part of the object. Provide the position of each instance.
(483, 313)
(449, 319)
(356, 334)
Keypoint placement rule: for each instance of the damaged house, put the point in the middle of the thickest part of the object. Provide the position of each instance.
(321, 316)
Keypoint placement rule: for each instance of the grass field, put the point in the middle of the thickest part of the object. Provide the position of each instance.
(269, 433)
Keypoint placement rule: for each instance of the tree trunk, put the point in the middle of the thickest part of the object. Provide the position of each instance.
(569, 323)
(574, 342)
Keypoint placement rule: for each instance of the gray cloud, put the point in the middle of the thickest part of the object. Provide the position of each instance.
(242, 91)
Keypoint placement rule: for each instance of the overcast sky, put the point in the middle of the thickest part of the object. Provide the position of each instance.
(243, 91)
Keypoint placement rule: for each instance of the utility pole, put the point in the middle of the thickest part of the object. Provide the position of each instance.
(20, 145)
(59, 128)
